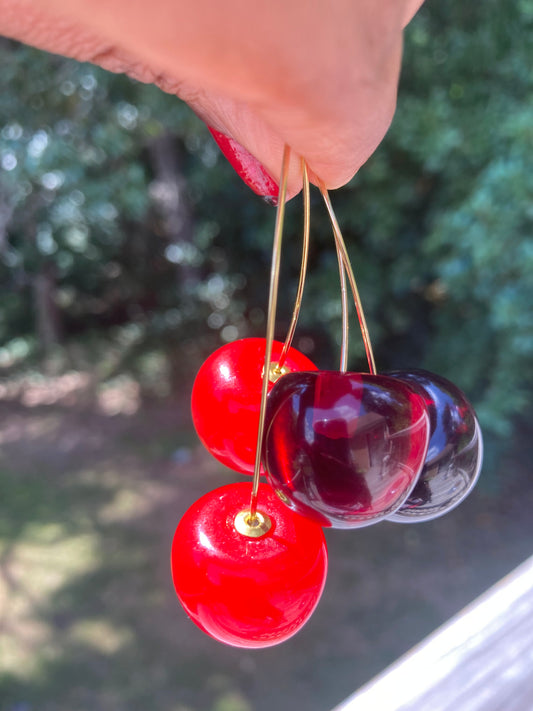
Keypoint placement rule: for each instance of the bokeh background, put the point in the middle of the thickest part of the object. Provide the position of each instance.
(129, 251)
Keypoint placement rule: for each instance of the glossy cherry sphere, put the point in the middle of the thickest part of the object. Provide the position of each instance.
(247, 592)
(344, 449)
(226, 398)
(455, 451)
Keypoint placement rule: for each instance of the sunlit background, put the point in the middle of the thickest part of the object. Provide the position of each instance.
(129, 251)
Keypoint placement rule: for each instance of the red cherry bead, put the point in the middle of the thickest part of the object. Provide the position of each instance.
(244, 591)
(226, 398)
(344, 449)
(455, 452)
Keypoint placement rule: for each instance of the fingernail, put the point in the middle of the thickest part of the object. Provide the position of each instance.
(248, 168)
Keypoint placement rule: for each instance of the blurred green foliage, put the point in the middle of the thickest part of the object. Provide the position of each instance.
(438, 223)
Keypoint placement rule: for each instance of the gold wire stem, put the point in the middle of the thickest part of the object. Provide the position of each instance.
(271, 320)
(345, 320)
(303, 267)
(341, 246)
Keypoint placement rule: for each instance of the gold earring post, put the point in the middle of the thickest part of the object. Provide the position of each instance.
(271, 320)
(303, 269)
(345, 316)
(341, 247)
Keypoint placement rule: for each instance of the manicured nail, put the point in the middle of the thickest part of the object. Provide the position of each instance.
(248, 168)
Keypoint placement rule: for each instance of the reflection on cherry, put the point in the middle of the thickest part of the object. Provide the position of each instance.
(247, 591)
(455, 451)
(344, 449)
(226, 398)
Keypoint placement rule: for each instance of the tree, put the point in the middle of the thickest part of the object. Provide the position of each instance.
(114, 190)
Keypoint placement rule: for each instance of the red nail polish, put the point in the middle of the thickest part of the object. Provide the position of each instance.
(248, 168)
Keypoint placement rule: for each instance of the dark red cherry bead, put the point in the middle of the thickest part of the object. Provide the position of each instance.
(247, 592)
(344, 449)
(226, 398)
(455, 451)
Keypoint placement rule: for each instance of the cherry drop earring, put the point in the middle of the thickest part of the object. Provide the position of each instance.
(351, 449)
(344, 449)
(247, 569)
(226, 395)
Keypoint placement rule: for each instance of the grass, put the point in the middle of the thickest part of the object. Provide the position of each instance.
(88, 617)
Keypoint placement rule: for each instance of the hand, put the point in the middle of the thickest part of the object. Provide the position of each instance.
(319, 76)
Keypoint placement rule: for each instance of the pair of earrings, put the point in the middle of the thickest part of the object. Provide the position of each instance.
(339, 449)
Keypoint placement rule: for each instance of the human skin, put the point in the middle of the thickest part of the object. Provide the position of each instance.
(318, 76)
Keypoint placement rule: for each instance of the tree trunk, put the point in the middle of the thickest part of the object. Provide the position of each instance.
(47, 315)
(169, 192)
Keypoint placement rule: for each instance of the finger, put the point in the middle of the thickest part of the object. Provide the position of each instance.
(330, 99)
(321, 78)
(47, 30)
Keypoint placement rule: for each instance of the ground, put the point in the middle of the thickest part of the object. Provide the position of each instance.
(91, 490)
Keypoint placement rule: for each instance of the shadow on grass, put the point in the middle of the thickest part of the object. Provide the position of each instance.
(88, 617)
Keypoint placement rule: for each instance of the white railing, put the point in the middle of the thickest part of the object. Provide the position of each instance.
(480, 660)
